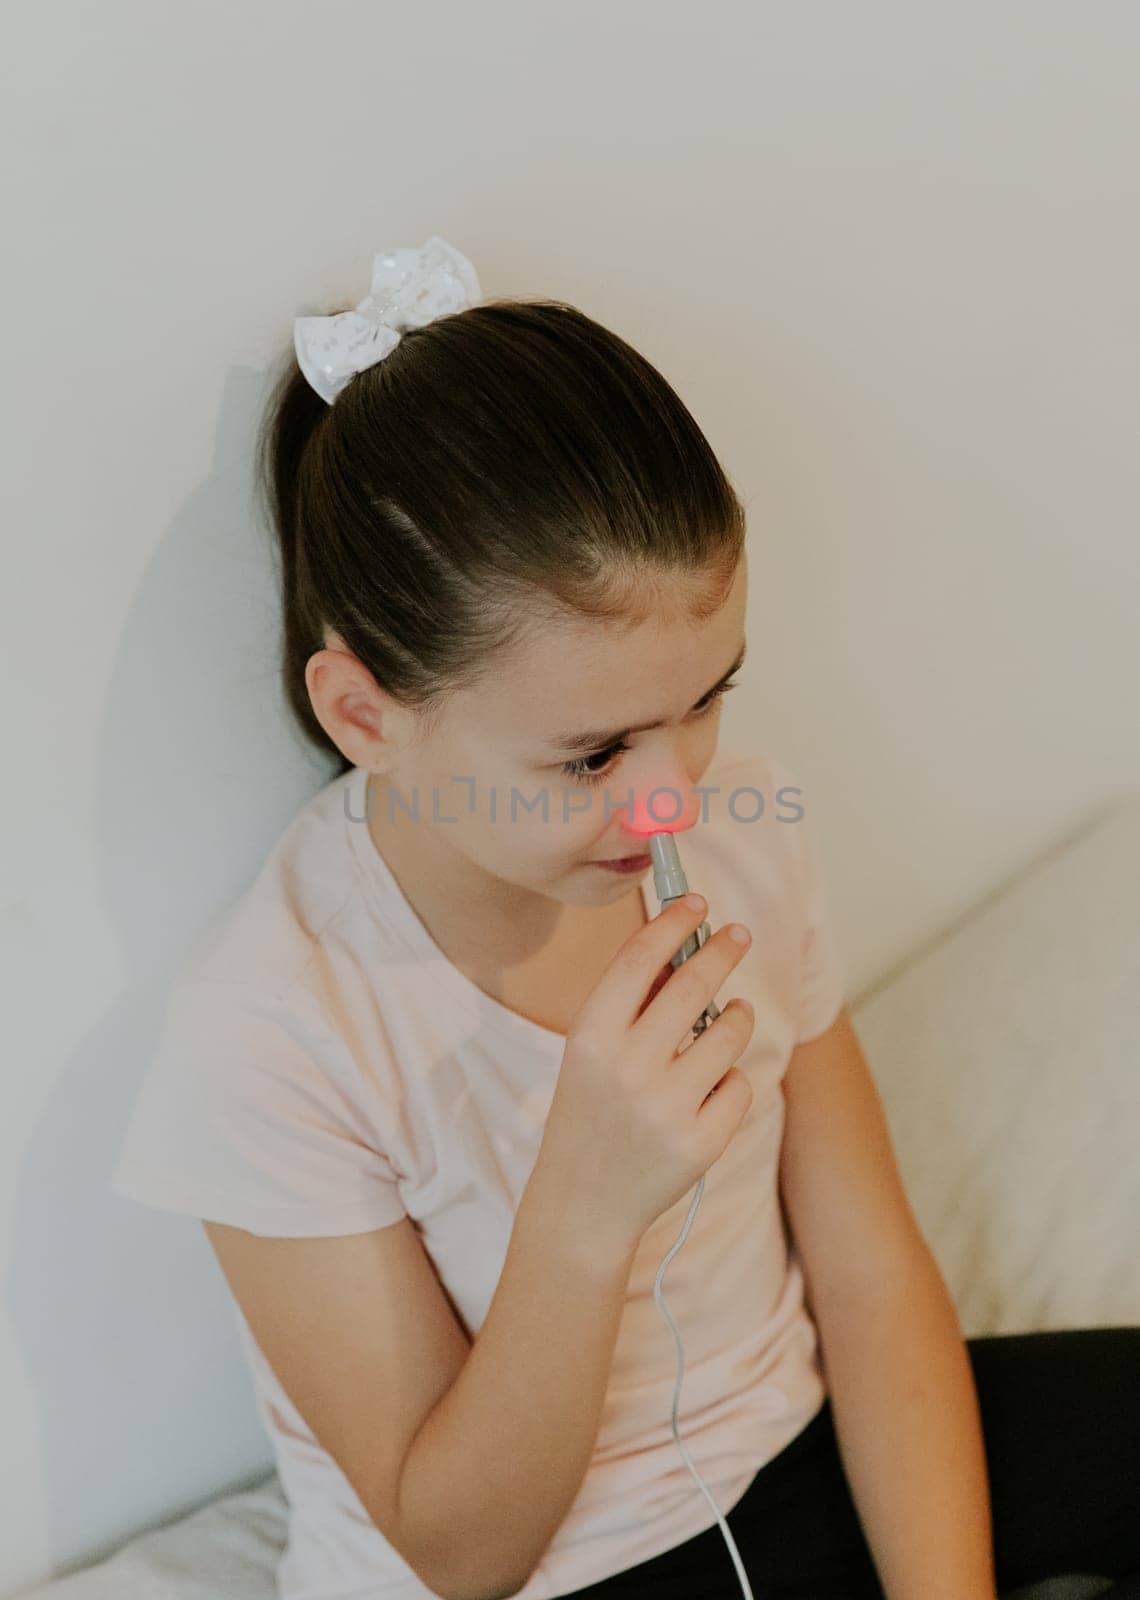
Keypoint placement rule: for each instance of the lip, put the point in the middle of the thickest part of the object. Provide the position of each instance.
(625, 863)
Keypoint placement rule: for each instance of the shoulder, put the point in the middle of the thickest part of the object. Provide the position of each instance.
(752, 786)
(254, 1110)
(273, 996)
(266, 938)
(227, 1051)
(750, 819)
(764, 797)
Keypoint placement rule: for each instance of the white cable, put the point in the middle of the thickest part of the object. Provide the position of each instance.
(670, 883)
(663, 1308)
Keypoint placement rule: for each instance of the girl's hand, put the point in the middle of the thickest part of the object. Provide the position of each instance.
(635, 1121)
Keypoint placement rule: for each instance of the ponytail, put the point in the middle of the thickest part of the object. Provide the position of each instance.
(294, 413)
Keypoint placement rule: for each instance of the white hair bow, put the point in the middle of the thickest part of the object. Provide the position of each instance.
(410, 288)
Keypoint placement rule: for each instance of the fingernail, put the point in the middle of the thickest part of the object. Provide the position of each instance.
(739, 933)
(696, 902)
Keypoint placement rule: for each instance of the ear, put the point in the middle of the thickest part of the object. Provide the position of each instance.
(349, 704)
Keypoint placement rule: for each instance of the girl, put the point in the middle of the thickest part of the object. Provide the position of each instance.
(432, 1084)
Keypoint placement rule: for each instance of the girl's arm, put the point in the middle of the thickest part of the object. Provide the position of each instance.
(500, 1459)
(466, 1454)
(909, 1432)
(898, 1373)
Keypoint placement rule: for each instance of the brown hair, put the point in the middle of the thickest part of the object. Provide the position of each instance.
(506, 461)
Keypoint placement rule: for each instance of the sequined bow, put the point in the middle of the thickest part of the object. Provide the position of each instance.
(410, 288)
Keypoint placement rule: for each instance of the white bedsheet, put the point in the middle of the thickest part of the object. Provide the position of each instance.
(225, 1550)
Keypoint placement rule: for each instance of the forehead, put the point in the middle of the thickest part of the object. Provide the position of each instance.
(575, 671)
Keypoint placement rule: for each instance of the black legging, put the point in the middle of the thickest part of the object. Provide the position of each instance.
(1061, 1422)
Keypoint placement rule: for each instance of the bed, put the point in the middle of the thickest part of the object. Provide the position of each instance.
(1007, 1053)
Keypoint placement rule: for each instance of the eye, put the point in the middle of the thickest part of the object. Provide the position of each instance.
(579, 770)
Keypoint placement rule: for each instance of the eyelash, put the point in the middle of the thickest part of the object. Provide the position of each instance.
(576, 769)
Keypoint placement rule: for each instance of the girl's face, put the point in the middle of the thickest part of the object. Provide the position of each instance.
(550, 764)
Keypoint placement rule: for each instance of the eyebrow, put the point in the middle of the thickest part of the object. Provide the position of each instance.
(595, 739)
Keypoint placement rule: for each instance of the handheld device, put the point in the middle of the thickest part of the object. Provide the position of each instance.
(670, 883)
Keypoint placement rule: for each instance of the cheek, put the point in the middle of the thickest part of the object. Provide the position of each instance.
(591, 816)
(566, 828)
(464, 784)
(575, 821)
(542, 825)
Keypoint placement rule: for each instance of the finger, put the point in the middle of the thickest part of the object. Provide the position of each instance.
(669, 1018)
(719, 1047)
(658, 984)
(621, 993)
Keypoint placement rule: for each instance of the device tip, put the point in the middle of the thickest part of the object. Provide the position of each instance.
(668, 874)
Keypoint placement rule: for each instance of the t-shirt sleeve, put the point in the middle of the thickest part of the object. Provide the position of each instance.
(253, 1112)
(822, 976)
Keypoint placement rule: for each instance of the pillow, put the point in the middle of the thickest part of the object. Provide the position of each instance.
(1007, 1057)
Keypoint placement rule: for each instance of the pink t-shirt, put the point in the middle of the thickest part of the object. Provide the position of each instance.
(324, 1069)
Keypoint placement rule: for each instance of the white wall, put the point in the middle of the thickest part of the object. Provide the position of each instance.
(888, 254)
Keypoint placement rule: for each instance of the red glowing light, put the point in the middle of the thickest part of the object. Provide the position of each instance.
(643, 827)
(660, 808)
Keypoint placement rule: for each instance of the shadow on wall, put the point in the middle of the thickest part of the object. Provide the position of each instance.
(138, 1393)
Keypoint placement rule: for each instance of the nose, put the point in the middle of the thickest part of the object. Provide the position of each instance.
(663, 801)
